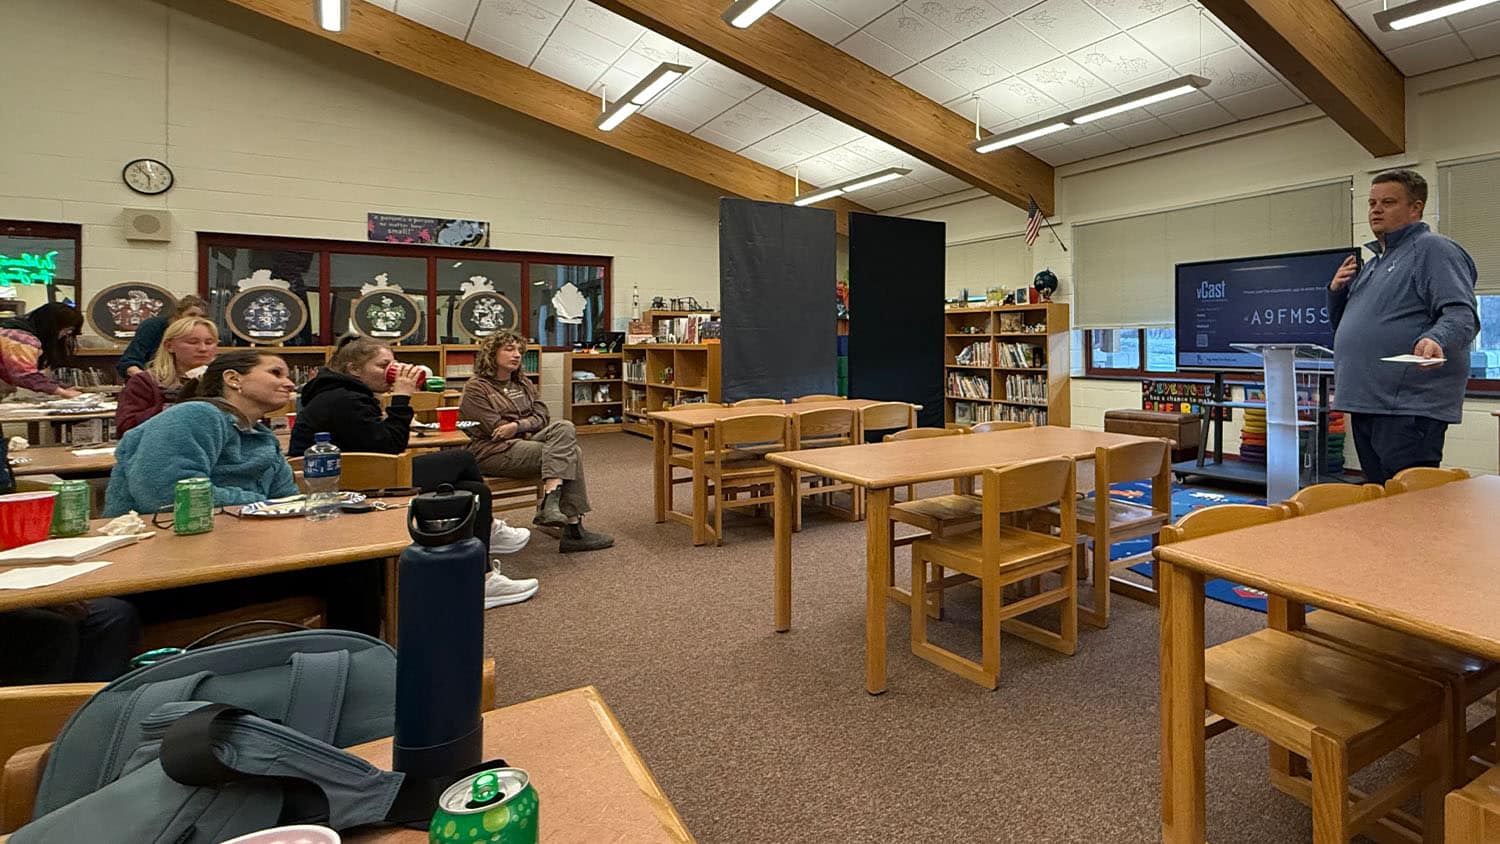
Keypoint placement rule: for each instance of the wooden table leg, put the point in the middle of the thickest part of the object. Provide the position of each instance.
(1182, 705)
(661, 470)
(786, 495)
(877, 570)
(391, 613)
(700, 487)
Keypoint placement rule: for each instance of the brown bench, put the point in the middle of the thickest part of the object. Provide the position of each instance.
(1183, 429)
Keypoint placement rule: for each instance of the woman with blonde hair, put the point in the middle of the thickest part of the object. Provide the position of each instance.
(188, 344)
(515, 438)
(150, 334)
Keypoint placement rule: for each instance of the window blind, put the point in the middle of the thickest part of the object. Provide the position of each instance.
(1123, 270)
(1470, 214)
(1002, 262)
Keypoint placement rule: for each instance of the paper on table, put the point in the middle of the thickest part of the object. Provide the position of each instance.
(34, 576)
(1416, 359)
(90, 452)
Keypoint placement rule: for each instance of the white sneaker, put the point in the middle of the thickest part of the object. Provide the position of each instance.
(505, 539)
(500, 590)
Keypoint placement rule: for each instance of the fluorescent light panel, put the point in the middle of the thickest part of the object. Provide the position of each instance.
(1117, 105)
(1020, 136)
(651, 86)
(744, 13)
(852, 185)
(332, 15)
(1409, 15)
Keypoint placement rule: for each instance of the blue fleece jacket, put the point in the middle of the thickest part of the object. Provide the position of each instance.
(1420, 284)
(196, 439)
(143, 345)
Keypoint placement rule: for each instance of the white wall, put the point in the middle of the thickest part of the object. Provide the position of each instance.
(1450, 115)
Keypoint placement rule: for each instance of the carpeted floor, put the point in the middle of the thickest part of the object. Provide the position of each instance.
(764, 737)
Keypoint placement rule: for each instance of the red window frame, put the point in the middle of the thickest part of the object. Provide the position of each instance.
(433, 254)
(57, 231)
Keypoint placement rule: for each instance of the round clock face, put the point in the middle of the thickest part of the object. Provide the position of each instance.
(147, 176)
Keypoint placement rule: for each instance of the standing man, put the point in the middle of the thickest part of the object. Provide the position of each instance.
(1415, 297)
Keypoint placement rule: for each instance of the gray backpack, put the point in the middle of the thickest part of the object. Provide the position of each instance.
(226, 740)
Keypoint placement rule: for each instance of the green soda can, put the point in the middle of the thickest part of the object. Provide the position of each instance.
(436, 384)
(70, 512)
(194, 510)
(497, 806)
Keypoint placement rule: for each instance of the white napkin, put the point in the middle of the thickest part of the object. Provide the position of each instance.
(31, 577)
(90, 452)
(129, 524)
(19, 444)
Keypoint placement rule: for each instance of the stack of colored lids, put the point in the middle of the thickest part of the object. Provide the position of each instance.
(1337, 428)
(1253, 436)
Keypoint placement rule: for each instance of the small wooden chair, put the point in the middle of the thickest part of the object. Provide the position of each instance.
(823, 428)
(1320, 497)
(757, 402)
(682, 441)
(1338, 710)
(1422, 477)
(424, 405)
(998, 425)
(817, 397)
(1126, 520)
(1473, 812)
(360, 470)
(934, 516)
(999, 555)
(886, 416)
(739, 464)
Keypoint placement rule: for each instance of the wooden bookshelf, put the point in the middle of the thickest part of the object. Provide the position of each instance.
(659, 375)
(1007, 362)
(603, 395)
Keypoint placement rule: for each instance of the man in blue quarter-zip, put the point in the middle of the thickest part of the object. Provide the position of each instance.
(1416, 296)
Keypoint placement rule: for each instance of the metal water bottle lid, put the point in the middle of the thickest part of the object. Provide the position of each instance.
(442, 517)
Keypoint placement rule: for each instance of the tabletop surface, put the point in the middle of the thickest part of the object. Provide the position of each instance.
(60, 460)
(429, 439)
(234, 548)
(704, 417)
(891, 464)
(1424, 562)
(592, 785)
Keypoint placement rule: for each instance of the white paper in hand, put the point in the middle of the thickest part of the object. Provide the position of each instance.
(1416, 359)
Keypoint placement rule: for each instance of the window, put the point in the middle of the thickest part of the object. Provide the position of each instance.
(328, 275)
(40, 262)
(1115, 349)
(1485, 359)
(1470, 213)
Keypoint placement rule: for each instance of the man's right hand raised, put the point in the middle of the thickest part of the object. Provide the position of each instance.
(1346, 273)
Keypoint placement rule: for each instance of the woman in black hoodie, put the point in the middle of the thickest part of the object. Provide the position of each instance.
(341, 401)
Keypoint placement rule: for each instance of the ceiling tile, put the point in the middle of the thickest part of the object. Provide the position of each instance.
(830, 129)
(1145, 132)
(779, 106)
(690, 100)
(729, 82)
(1175, 38)
(507, 19)
(1198, 118)
(604, 23)
(929, 84)
(1179, 103)
(1483, 41)
(947, 184)
(876, 53)
(815, 20)
(521, 50)
(745, 124)
(858, 12)
(1363, 15)
(660, 49)
(1012, 46)
(959, 18)
(388, 5)
(821, 172)
(635, 64)
(909, 33)
(877, 151)
(457, 10)
(1092, 146)
(1443, 51)
(1128, 13)
(1018, 98)
(434, 19)
(556, 7)
(1064, 80)
(717, 139)
(1233, 71)
(1261, 101)
(1119, 61)
(849, 160)
(571, 36)
(1475, 17)
(1067, 24)
(793, 142)
(568, 65)
(773, 154)
(665, 111)
(965, 68)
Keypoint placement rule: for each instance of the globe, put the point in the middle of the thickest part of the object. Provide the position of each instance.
(1045, 284)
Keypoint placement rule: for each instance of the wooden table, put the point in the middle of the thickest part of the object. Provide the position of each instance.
(881, 467)
(700, 423)
(235, 548)
(61, 461)
(593, 785)
(427, 439)
(1423, 563)
(41, 426)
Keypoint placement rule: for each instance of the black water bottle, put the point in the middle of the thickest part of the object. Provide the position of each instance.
(440, 648)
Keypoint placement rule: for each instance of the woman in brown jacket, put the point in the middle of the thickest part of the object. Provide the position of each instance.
(515, 438)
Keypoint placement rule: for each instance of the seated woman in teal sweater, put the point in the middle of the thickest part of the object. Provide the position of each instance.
(213, 434)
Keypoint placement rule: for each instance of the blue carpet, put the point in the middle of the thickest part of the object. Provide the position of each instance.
(1184, 501)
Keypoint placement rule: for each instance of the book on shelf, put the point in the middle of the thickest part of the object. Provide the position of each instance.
(1021, 354)
(1027, 388)
(635, 369)
(968, 386)
(975, 354)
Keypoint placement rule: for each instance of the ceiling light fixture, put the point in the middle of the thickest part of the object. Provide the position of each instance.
(649, 88)
(1088, 114)
(1409, 15)
(743, 13)
(332, 15)
(851, 185)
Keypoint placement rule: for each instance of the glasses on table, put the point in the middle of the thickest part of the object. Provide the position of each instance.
(163, 518)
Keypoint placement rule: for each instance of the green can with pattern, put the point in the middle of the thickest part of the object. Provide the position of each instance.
(70, 512)
(436, 384)
(497, 806)
(193, 511)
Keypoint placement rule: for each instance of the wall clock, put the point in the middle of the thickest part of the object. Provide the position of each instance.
(147, 176)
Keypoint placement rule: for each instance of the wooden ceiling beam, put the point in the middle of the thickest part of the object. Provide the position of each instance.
(1315, 46)
(447, 60)
(820, 75)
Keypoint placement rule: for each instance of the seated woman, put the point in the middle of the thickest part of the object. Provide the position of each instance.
(341, 401)
(188, 344)
(214, 433)
(43, 339)
(515, 439)
(150, 334)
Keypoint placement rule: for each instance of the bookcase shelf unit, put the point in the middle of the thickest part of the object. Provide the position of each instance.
(1007, 362)
(660, 375)
(602, 395)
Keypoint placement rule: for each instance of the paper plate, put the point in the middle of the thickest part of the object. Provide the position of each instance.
(282, 508)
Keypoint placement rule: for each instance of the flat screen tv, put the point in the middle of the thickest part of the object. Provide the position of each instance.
(1270, 299)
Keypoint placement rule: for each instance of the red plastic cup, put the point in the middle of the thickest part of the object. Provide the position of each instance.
(25, 517)
(395, 369)
(447, 418)
(291, 421)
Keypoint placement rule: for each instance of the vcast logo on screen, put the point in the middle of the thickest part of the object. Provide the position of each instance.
(1216, 290)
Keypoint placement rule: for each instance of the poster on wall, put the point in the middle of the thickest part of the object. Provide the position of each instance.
(383, 311)
(404, 228)
(265, 312)
(118, 310)
(483, 311)
(1179, 397)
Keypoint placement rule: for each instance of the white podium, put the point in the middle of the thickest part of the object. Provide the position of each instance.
(1283, 462)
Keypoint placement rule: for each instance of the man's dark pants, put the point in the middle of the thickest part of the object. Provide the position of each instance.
(1388, 444)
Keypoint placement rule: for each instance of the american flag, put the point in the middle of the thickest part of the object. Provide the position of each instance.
(1033, 222)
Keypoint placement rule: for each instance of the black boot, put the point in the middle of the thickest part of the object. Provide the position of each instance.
(575, 538)
(548, 512)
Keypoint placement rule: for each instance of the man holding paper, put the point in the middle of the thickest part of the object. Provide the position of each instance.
(1415, 297)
